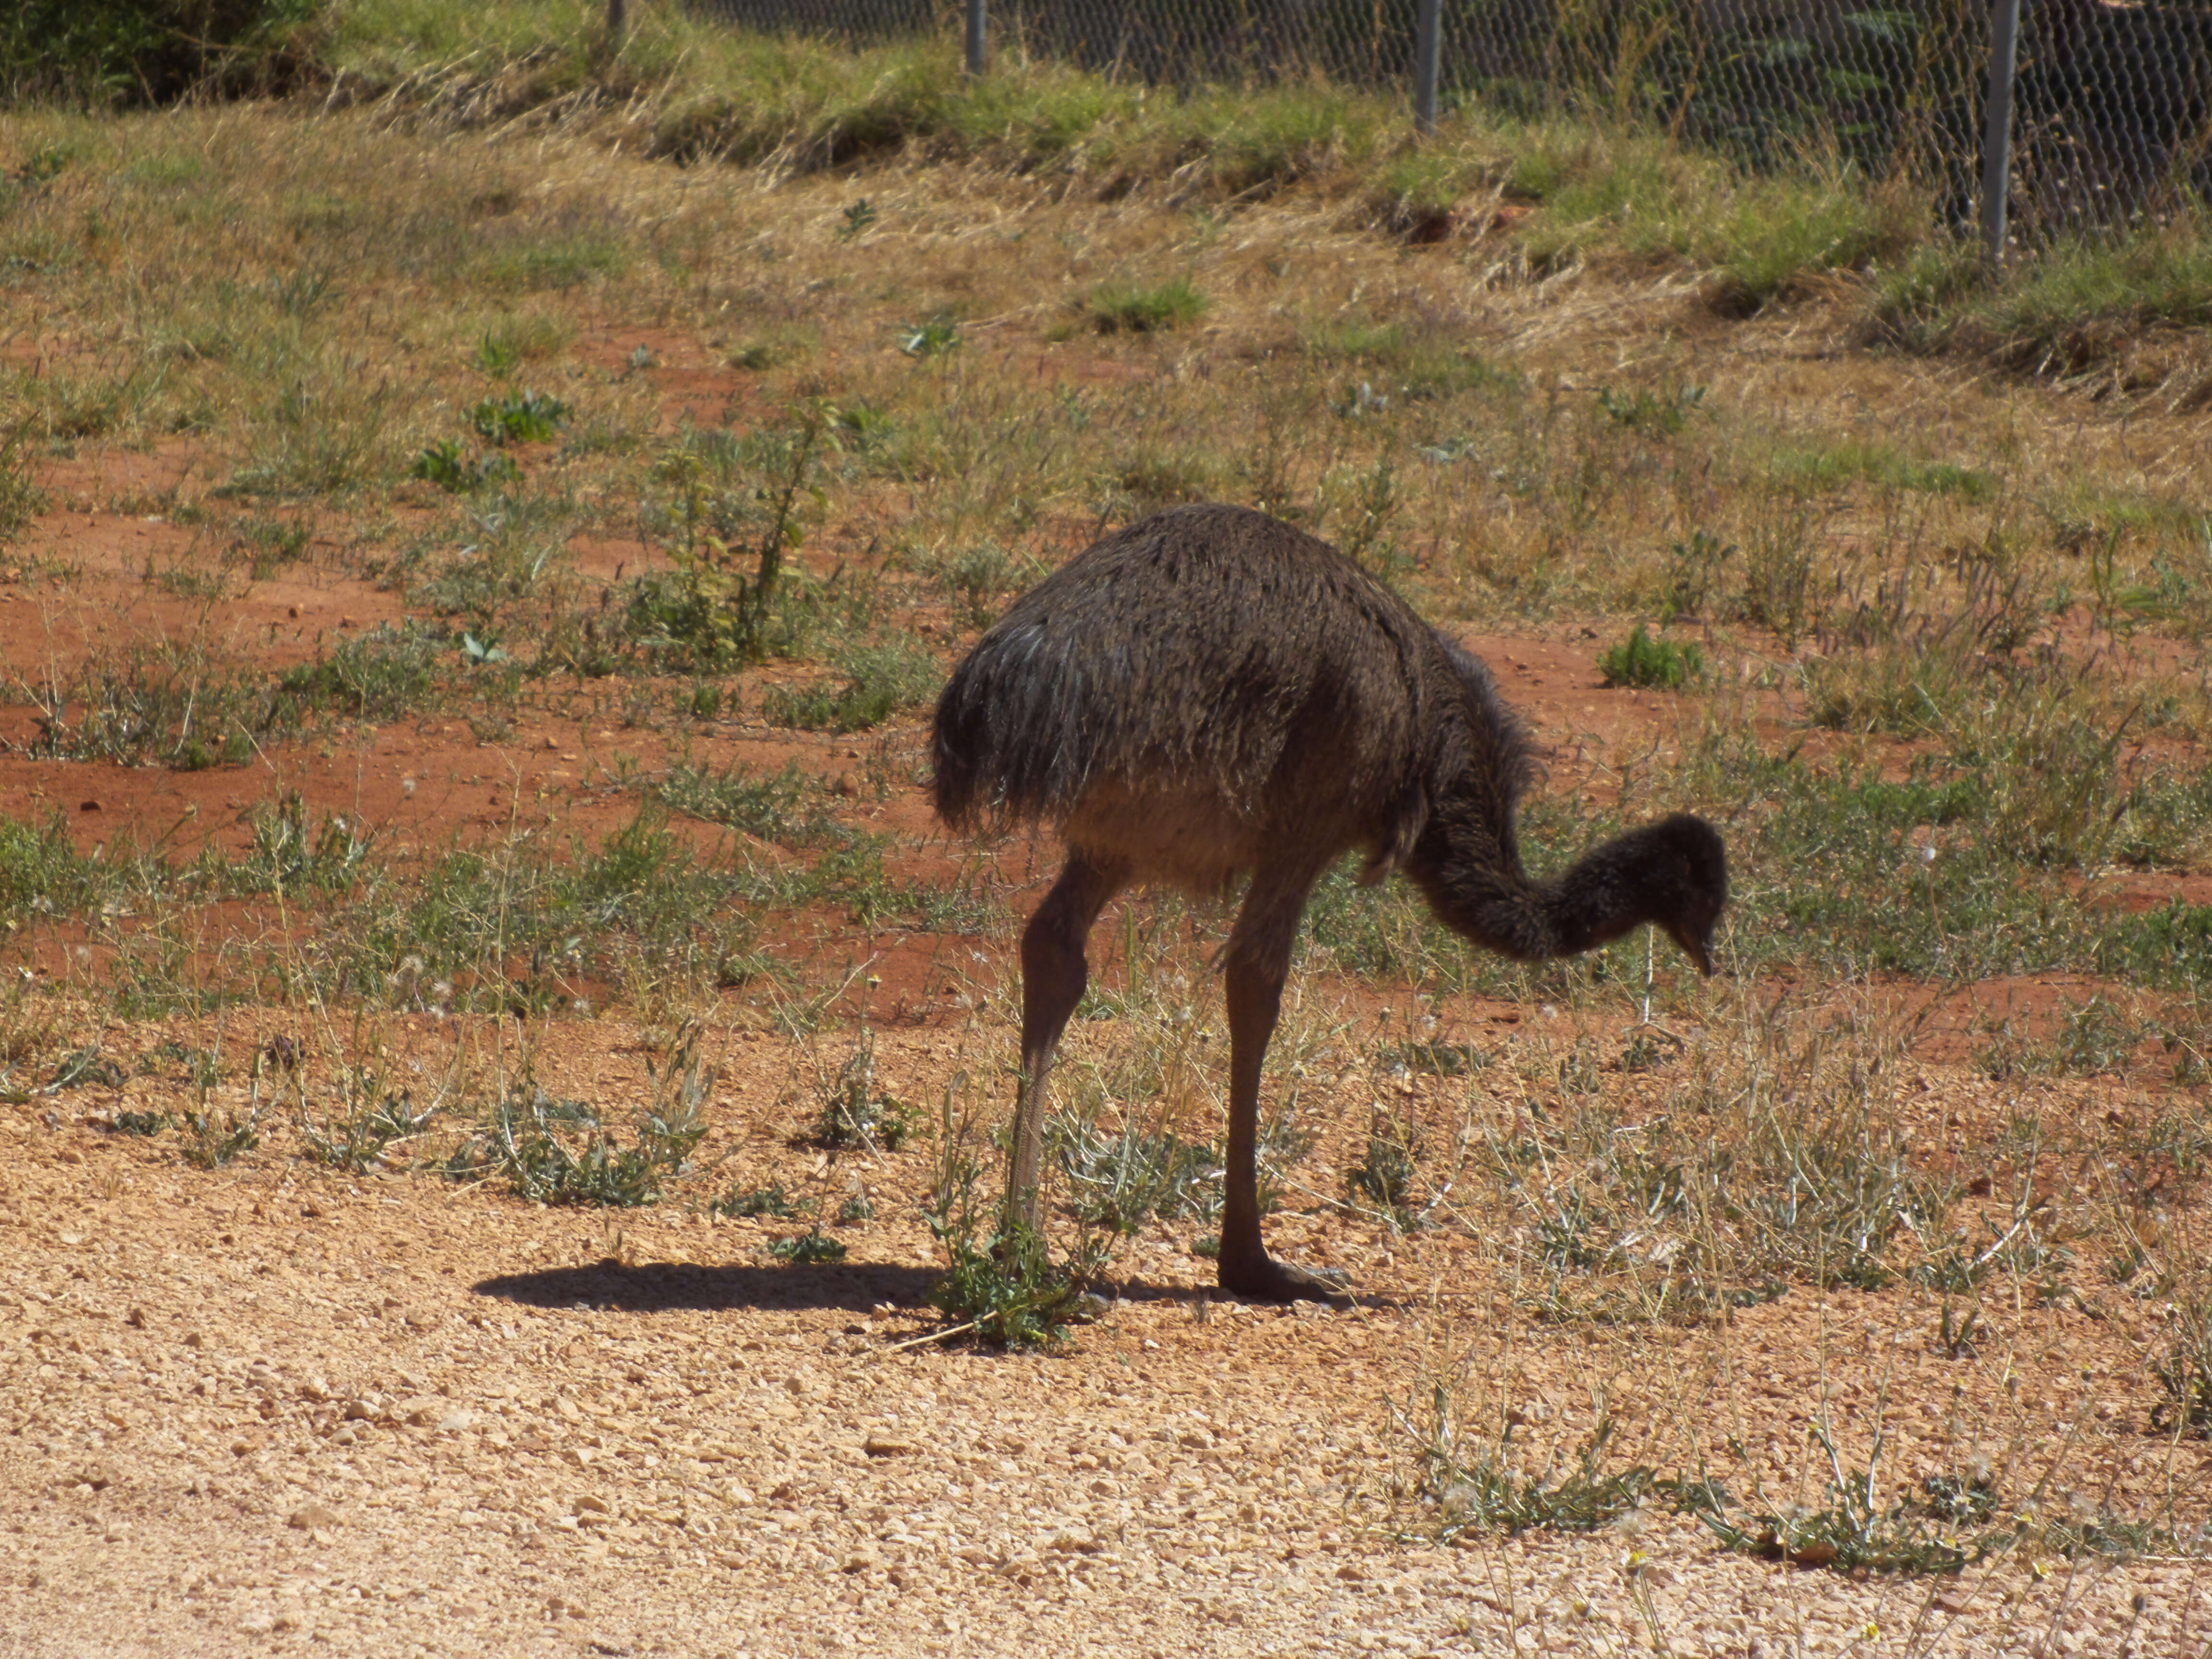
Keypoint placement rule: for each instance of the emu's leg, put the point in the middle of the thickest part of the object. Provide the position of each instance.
(1053, 973)
(1259, 956)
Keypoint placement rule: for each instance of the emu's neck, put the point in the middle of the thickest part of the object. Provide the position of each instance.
(1474, 881)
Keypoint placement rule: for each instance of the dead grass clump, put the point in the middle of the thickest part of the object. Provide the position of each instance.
(1777, 1158)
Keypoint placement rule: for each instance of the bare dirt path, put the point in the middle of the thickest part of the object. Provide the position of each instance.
(271, 1409)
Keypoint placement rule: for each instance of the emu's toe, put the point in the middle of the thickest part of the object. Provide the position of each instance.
(1266, 1280)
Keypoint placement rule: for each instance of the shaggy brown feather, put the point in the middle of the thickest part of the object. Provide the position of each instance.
(1212, 695)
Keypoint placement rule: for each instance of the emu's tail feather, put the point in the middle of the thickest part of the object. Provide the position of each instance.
(1010, 742)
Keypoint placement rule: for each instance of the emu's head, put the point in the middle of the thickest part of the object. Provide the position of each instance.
(1683, 876)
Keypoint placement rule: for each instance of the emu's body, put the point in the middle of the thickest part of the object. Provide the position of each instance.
(1211, 694)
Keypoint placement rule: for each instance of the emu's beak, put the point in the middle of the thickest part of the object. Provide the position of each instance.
(1699, 947)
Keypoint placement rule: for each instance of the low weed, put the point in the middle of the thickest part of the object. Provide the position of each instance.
(1382, 1181)
(1652, 414)
(1119, 1181)
(1942, 1529)
(806, 1249)
(770, 1201)
(163, 706)
(1967, 867)
(1693, 576)
(857, 218)
(1002, 1284)
(1667, 1222)
(2090, 1039)
(934, 338)
(213, 1139)
(974, 578)
(1478, 1466)
(372, 1119)
(292, 854)
(384, 674)
(21, 499)
(853, 1113)
(1473, 1473)
(785, 808)
(1432, 1057)
(324, 432)
(80, 1067)
(1478, 1484)
(513, 338)
(527, 418)
(735, 504)
(456, 473)
(552, 1150)
(1833, 466)
(2183, 1367)
(1007, 1288)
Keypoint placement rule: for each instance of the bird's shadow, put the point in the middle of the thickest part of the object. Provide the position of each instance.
(670, 1286)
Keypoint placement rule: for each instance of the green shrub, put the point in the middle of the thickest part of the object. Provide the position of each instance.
(122, 52)
(1642, 660)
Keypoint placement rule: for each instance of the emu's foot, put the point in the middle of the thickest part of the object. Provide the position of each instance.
(1263, 1279)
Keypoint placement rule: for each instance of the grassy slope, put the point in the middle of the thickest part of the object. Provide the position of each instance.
(330, 297)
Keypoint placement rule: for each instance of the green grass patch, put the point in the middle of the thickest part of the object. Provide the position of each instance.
(783, 806)
(2070, 308)
(385, 673)
(878, 681)
(1837, 466)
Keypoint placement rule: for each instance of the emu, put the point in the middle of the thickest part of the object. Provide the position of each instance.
(1212, 695)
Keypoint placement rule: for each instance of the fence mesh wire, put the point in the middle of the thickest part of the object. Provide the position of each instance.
(2113, 101)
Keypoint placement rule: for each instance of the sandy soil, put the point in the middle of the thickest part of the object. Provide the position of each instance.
(269, 1406)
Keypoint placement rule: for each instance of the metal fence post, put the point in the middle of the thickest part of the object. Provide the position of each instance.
(974, 37)
(1428, 26)
(1996, 130)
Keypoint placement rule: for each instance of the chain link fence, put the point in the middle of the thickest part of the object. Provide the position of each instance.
(2111, 104)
